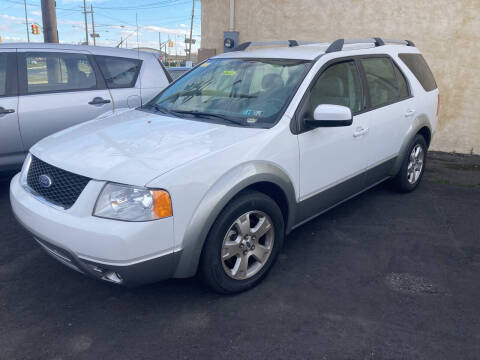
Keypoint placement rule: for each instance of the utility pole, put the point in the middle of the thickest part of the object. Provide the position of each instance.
(94, 35)
(160, 42)
(86, 23)
(26, 20)
(49, 17)
(176, 52)
(169, 51)
(191, 30)
(136, 22)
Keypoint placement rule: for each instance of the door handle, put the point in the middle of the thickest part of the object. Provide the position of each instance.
(6, 111)
(359, 131)
(409, 112)
(98, 101)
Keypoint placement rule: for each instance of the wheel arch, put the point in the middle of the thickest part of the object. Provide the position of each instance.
(261, 176)
(421, 125)
(426, 133)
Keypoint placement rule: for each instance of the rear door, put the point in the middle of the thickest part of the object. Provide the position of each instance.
(333, 159)
(11, 147)
(58, 90)
(391, 110)
(121, 78)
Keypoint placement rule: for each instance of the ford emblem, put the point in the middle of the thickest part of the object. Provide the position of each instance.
(45, 181)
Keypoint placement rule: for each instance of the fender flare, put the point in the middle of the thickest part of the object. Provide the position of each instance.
(218, 196)
(420, 122)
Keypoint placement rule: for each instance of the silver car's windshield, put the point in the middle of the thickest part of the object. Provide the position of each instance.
(249, 92)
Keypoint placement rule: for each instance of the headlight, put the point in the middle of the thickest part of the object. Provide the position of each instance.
(132, 203)
(25, 168)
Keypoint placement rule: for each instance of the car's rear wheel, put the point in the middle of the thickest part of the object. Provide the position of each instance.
(413, 167)
(243, 243)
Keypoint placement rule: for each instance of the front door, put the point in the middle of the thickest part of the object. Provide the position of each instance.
(58, 90)
(11, 147)
(333, 159)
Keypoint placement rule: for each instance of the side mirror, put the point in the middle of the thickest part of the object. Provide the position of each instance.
(327, 115)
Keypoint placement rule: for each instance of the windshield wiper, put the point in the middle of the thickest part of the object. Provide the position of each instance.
(163, 110)
(202, 114)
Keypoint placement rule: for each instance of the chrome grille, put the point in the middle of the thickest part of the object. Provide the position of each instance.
(57, 186)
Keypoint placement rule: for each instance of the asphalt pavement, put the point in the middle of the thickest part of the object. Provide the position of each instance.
(383, 276)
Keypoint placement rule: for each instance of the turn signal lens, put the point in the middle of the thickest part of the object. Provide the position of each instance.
(162, 205)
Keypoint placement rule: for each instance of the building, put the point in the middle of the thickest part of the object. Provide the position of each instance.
(447, 32)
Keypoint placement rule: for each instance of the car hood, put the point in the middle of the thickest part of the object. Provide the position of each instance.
(135, 147)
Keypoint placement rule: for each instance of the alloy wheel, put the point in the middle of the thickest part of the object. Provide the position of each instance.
(247, 245)
(415, 164)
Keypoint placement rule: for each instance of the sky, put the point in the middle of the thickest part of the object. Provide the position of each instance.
(114, 20)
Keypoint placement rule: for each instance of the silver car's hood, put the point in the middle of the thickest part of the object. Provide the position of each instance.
(135, 147)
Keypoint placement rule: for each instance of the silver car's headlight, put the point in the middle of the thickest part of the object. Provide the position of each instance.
(132, 203)
(25, 168)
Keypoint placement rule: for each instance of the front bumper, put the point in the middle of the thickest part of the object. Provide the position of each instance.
(128, 253)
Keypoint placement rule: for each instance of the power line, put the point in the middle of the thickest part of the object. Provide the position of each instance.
(157, 5)
(38, 5)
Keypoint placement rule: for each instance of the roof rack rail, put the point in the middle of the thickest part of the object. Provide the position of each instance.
(290, 43)
(338, 44)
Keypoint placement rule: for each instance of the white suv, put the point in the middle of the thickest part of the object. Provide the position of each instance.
(215, 170)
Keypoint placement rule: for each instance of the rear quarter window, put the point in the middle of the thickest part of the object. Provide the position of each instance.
(119, 72)
(419, 67)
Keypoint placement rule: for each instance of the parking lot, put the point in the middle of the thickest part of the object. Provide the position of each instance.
(385, 275)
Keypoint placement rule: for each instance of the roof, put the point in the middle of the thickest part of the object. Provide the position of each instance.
(311, 51)
(92, 49)
(303, 52)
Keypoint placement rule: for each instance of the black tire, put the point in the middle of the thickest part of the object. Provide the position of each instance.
(211, 265)
(400, 181)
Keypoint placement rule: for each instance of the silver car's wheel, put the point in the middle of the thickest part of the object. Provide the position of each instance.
(415, 164)
(247, 245)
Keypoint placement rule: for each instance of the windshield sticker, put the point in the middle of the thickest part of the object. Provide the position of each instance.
(253, 113)
(229, 72)
(251, 120)
(205, 64)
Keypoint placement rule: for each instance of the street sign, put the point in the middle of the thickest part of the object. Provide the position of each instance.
(187, 41)
(95, 35)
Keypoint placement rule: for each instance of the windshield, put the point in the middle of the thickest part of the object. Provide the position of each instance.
(250, 92)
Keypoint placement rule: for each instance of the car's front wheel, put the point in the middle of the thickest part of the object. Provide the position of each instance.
(243, 243)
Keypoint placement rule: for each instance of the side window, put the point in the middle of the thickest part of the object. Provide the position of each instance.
(52, 72)
(418, 66)
(3, 74)
(119, 72)
(381, 81)
(339, 84)
(402, 83)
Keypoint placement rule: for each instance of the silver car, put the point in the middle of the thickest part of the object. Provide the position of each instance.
(45, 88)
